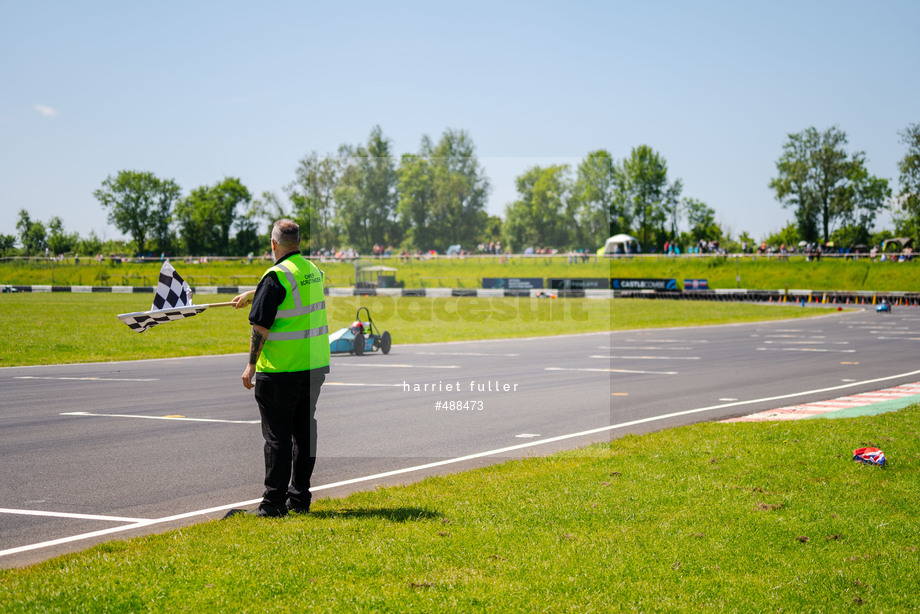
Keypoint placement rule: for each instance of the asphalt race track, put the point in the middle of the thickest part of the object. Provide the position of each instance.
(110, 450)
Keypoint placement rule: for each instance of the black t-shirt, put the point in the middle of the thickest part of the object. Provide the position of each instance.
(269, 295)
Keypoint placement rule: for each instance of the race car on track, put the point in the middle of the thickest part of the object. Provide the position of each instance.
(362, 336)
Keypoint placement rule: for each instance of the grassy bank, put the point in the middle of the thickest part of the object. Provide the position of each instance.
(713, 517)
(444, 272)
(751, 273)
(53, 328)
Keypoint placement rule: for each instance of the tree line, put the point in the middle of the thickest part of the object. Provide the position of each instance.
(367, 198)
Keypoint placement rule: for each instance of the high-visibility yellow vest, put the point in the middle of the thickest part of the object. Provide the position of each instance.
(298, 340)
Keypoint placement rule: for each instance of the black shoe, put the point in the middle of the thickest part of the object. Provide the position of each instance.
(267, 510)
(297, 508)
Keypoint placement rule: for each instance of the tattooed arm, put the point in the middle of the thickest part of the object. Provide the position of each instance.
(256, 341)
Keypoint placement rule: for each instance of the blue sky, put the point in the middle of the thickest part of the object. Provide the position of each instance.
(197, 91)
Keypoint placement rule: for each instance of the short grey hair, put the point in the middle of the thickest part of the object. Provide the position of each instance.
(286, 233)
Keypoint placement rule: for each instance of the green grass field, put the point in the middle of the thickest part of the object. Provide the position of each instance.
(53, 328)
(712, 517)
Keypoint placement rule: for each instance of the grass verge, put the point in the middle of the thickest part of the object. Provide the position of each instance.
(737, 517)
(55, 328)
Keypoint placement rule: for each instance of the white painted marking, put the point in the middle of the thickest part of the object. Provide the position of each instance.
(881, 328)
(650, 357)
(450, 461)
(647, 347)
(528, 435)
(793, 336)
(365, 365)
(666, 340)
(728, 399)
(805, 350)
(461, 354)
(69, 515)
(613, 371)
(900, 338)
(178, 418)
(811, 342)
(848, 380)
(90, 379)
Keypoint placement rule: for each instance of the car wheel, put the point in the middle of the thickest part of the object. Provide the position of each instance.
(385, 342)
(359, 344)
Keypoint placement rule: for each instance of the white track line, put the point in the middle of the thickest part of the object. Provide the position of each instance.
(177, 418)
(649, 357)
(645, 347)
(70, 515)
(809, 342)
(365, 365)
(805, 350)
(611, 371)
(90, 379)
(450, 461)
(461, 354)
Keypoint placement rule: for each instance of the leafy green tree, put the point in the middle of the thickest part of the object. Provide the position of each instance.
(702, 220)
(7, 244)
(32, 235)
(788, 235)
(908, 201)
(643, 190)
(596, 215)
(206, 216)
(810, 170)
(826, 185)
(89, 245)
(492, 233)
(672, 208)
(537, 218)
(312, 195)
(461, 189)
(442, 193)
(59, 241)
(866, 196)
(248, 239)
(139, 204)
(417, 197)
(366, 194)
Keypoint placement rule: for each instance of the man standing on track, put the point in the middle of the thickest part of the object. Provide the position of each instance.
(289, 358)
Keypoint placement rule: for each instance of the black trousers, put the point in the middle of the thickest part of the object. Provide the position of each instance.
(288, 409)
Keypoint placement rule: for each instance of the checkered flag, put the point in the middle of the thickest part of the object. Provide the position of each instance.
(142, 320)
(172, 301)
(172, 291)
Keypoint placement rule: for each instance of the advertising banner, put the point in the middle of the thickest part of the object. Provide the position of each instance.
(588, 283)
(643, 284)
(696, 284)
(513, 283)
